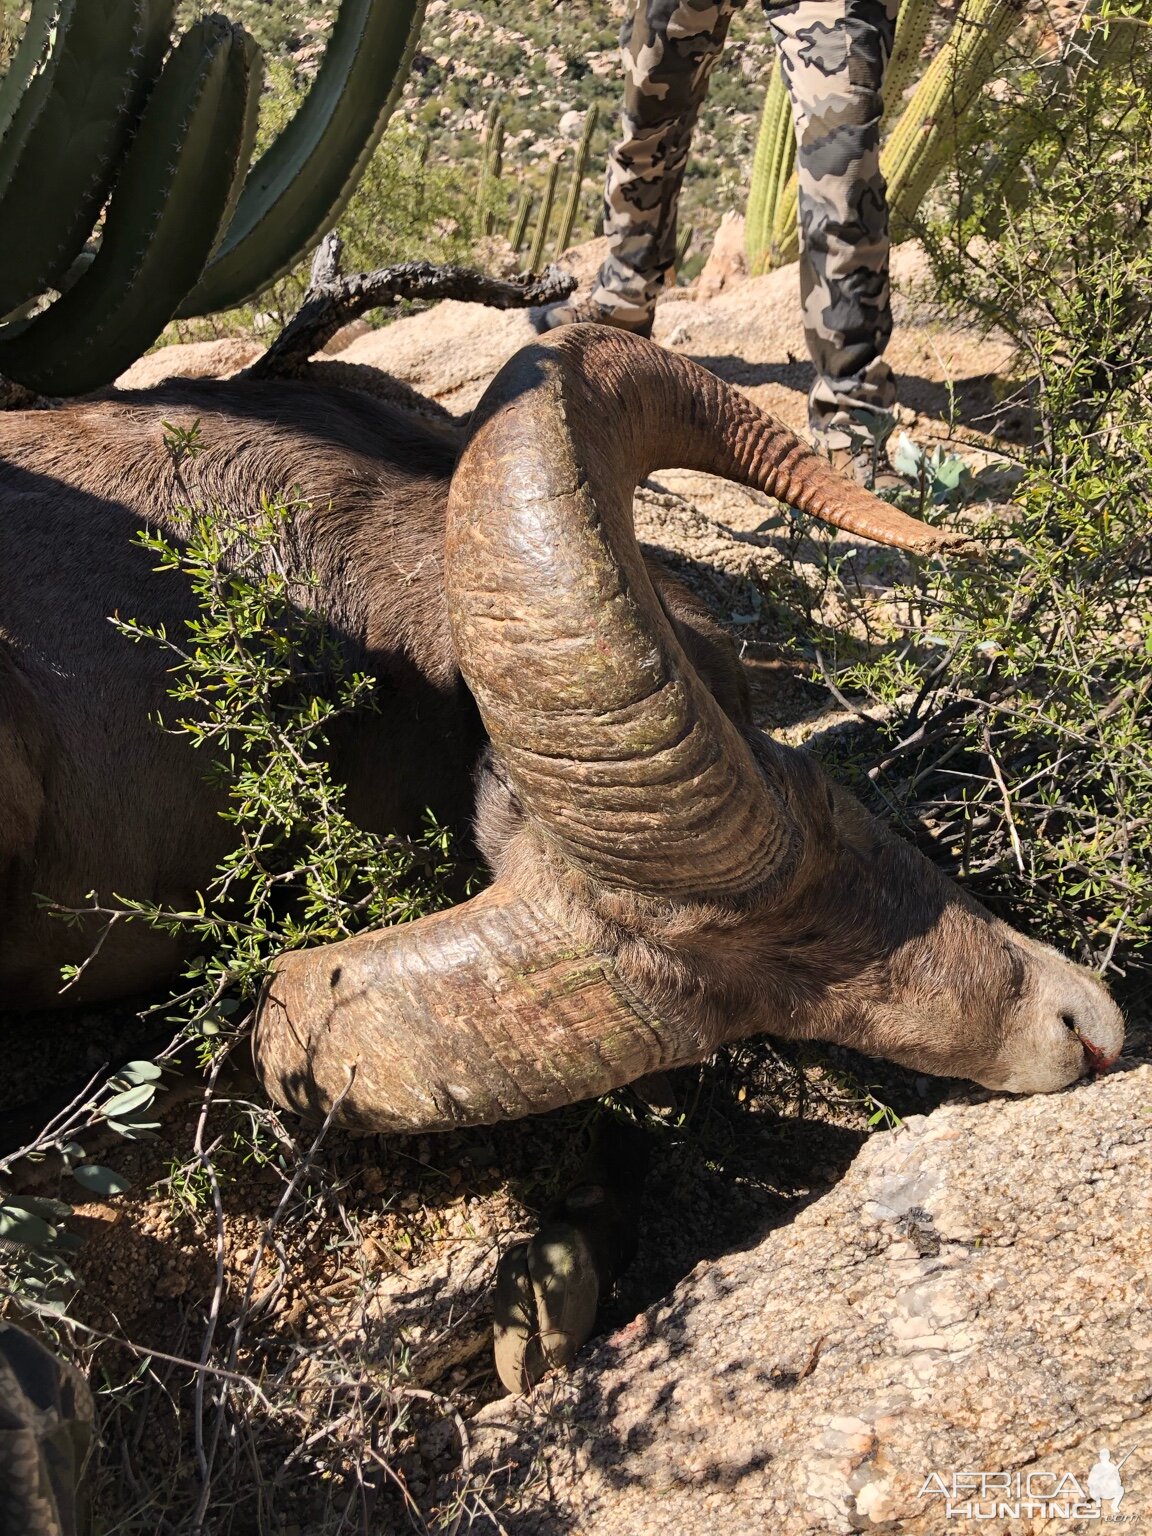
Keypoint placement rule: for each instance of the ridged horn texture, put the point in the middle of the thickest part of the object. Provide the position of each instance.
(617, 750)
(487, 1012)
(626, 767)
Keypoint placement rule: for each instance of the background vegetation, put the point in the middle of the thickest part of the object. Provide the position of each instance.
(1013, 746)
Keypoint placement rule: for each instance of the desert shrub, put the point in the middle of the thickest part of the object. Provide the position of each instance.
(1017, 747)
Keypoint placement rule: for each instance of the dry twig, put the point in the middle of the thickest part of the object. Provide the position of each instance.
(332, 301)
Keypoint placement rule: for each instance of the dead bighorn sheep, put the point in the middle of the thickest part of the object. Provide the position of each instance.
(666, 878)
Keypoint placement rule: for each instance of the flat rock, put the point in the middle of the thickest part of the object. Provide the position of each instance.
(972, 1297)
(191, 360)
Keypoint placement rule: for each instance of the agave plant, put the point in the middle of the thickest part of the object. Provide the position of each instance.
(126, 183)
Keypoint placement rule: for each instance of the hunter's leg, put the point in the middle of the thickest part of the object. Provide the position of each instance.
(669, 49)
(834, 54)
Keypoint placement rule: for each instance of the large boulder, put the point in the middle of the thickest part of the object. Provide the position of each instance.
(971, 1300)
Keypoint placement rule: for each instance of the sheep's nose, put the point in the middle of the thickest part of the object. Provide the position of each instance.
(1100, 1031)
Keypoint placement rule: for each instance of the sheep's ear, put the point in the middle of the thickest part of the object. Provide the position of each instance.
(486, 1012)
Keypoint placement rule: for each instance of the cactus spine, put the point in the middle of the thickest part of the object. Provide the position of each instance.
(576, 185)
(302, 183)
(772, 167)
(544, 218)
(161, 221)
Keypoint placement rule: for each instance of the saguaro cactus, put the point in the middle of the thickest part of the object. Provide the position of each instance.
(576, 185)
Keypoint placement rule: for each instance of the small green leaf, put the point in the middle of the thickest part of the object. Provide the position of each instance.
(121, 1104)
(20, 1226)
(135, 1130)
(141, 1072)
(51, 1211)
(102, 1181)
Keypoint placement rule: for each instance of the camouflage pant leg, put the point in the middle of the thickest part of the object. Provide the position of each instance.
(834, 54)
(669, 49)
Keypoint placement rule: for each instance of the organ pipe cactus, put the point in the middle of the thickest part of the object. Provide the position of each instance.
(175, 183)
(922, 138)
(70, 134)
(301, 185)
(904, 66)
(519, 224)
(98, 130)
(492, 169)
(545, 218)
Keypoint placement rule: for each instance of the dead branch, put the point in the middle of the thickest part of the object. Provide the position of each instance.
(332, 301)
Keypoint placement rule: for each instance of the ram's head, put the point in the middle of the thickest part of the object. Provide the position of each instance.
(674, 882)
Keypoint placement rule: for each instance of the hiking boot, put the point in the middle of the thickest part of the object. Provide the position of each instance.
(595, 311)
(867, 464)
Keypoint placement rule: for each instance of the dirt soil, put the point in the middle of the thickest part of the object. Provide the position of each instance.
(341, 1305)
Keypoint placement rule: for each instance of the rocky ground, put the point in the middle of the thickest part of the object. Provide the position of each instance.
(972, 1297)
(809, 1326)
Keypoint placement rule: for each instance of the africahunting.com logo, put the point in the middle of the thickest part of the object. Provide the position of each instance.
(1033, 1495)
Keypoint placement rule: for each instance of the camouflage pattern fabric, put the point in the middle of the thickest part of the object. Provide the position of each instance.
(833, 55)
(46, 1419)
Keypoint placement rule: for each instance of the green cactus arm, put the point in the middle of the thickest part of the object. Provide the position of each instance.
(30, 50)
(491, 167)
(923, 138)
(161, 222)
(159, 19)
(576, 185)
(520, 222)
(298, 189)
(544, 219)
(785, 241)
(904, 66)
(772, 166)
(34, 96)
(254, 63)
(73, 149)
